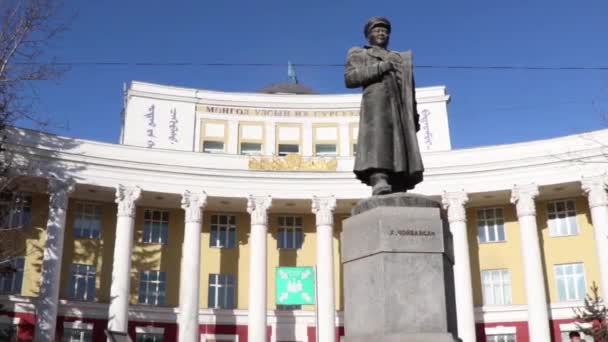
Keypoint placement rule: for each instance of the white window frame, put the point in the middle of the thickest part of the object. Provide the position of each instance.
(210, 337)
(503, 286)
(287, 235)
(217, 281)
(326, 154)
(495, 223)
(568, 221)
(574, 277)
(247, 152)
(160, 226)
(149, 330)
(82, 327)
(153, 294)
(89, 274)
(568, 327)
(222, 231)
(284, 154)
(89, 213)
(213, 150)
(16, 212)
(15, 278)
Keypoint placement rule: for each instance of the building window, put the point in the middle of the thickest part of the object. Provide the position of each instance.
(87, 222)
(148, 337)
(219, 338)
(15, 210)
(354, 149)
(251, 148)
(562, 218)
(325, 150)
(571, 283)
(156, 226)
(149, 334)
(501, 338)
(496, 287)
(77, 332)
(566, 328)
(8, 332)
(222, 291)
(11, 276)
(82, 282)
(223, 231)
(152, 287)
(285, 149)
(210, 146)
(490, 225)
(290, 234)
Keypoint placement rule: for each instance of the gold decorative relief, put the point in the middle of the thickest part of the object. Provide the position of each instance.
(293, 162)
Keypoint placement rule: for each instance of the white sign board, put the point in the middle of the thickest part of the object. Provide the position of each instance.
(155, 123)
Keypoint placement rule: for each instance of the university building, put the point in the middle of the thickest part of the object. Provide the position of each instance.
(175, 232)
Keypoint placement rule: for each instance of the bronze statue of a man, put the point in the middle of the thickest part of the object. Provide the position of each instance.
(387, 156)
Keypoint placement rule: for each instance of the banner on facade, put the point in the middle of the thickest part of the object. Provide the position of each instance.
(295, 285)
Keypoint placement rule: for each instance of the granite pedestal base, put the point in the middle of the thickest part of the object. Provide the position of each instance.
(397, 262)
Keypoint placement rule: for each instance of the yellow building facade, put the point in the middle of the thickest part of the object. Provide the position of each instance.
(172, 231)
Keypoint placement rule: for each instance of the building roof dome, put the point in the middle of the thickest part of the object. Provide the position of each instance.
(286, 88)
(292, 86)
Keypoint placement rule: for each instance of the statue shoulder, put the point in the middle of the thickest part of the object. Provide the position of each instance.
(355, 50)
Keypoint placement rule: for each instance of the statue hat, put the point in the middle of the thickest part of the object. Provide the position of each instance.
(376, 21)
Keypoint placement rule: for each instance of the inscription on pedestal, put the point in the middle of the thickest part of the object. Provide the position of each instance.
(412, 232)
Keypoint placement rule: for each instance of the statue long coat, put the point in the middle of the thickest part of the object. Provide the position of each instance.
(388, 120)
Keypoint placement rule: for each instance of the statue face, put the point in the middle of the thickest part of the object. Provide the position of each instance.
(378, 36)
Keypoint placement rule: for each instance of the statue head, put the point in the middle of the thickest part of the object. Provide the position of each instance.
(377, 31)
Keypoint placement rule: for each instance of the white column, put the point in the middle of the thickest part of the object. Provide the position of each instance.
(257, 207)
(454, 203)
(595, 188)
(323, 208)
(46, 308)
(538, 316)
(120, 289)
(193, 204)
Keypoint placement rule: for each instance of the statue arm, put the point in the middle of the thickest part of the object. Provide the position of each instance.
(357, 74)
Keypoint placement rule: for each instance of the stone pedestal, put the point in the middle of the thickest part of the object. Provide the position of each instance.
(398, 280)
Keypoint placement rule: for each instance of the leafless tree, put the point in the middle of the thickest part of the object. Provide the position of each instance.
(27, 28)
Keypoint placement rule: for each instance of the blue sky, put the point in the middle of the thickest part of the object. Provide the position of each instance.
(488, 106)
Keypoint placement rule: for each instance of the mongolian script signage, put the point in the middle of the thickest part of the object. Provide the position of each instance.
(151, 128)
(173, 126)
(427, 135)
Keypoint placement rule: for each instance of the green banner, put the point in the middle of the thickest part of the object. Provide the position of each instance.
(295, 285)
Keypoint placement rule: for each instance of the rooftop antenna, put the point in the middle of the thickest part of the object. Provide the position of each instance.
(291, 73)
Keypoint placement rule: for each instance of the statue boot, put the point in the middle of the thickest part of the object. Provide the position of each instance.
(380, 185)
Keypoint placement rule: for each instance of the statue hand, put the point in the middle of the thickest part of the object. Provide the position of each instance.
(385, 67)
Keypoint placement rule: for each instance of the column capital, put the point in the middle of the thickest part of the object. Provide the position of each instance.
(595, 189)
(59, 191)
(454, 202)
(523, 197)
(257, 207)
(126, 197)
(193, 204)
(323, 208)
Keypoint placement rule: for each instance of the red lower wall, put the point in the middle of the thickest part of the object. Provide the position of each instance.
(27, 323)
